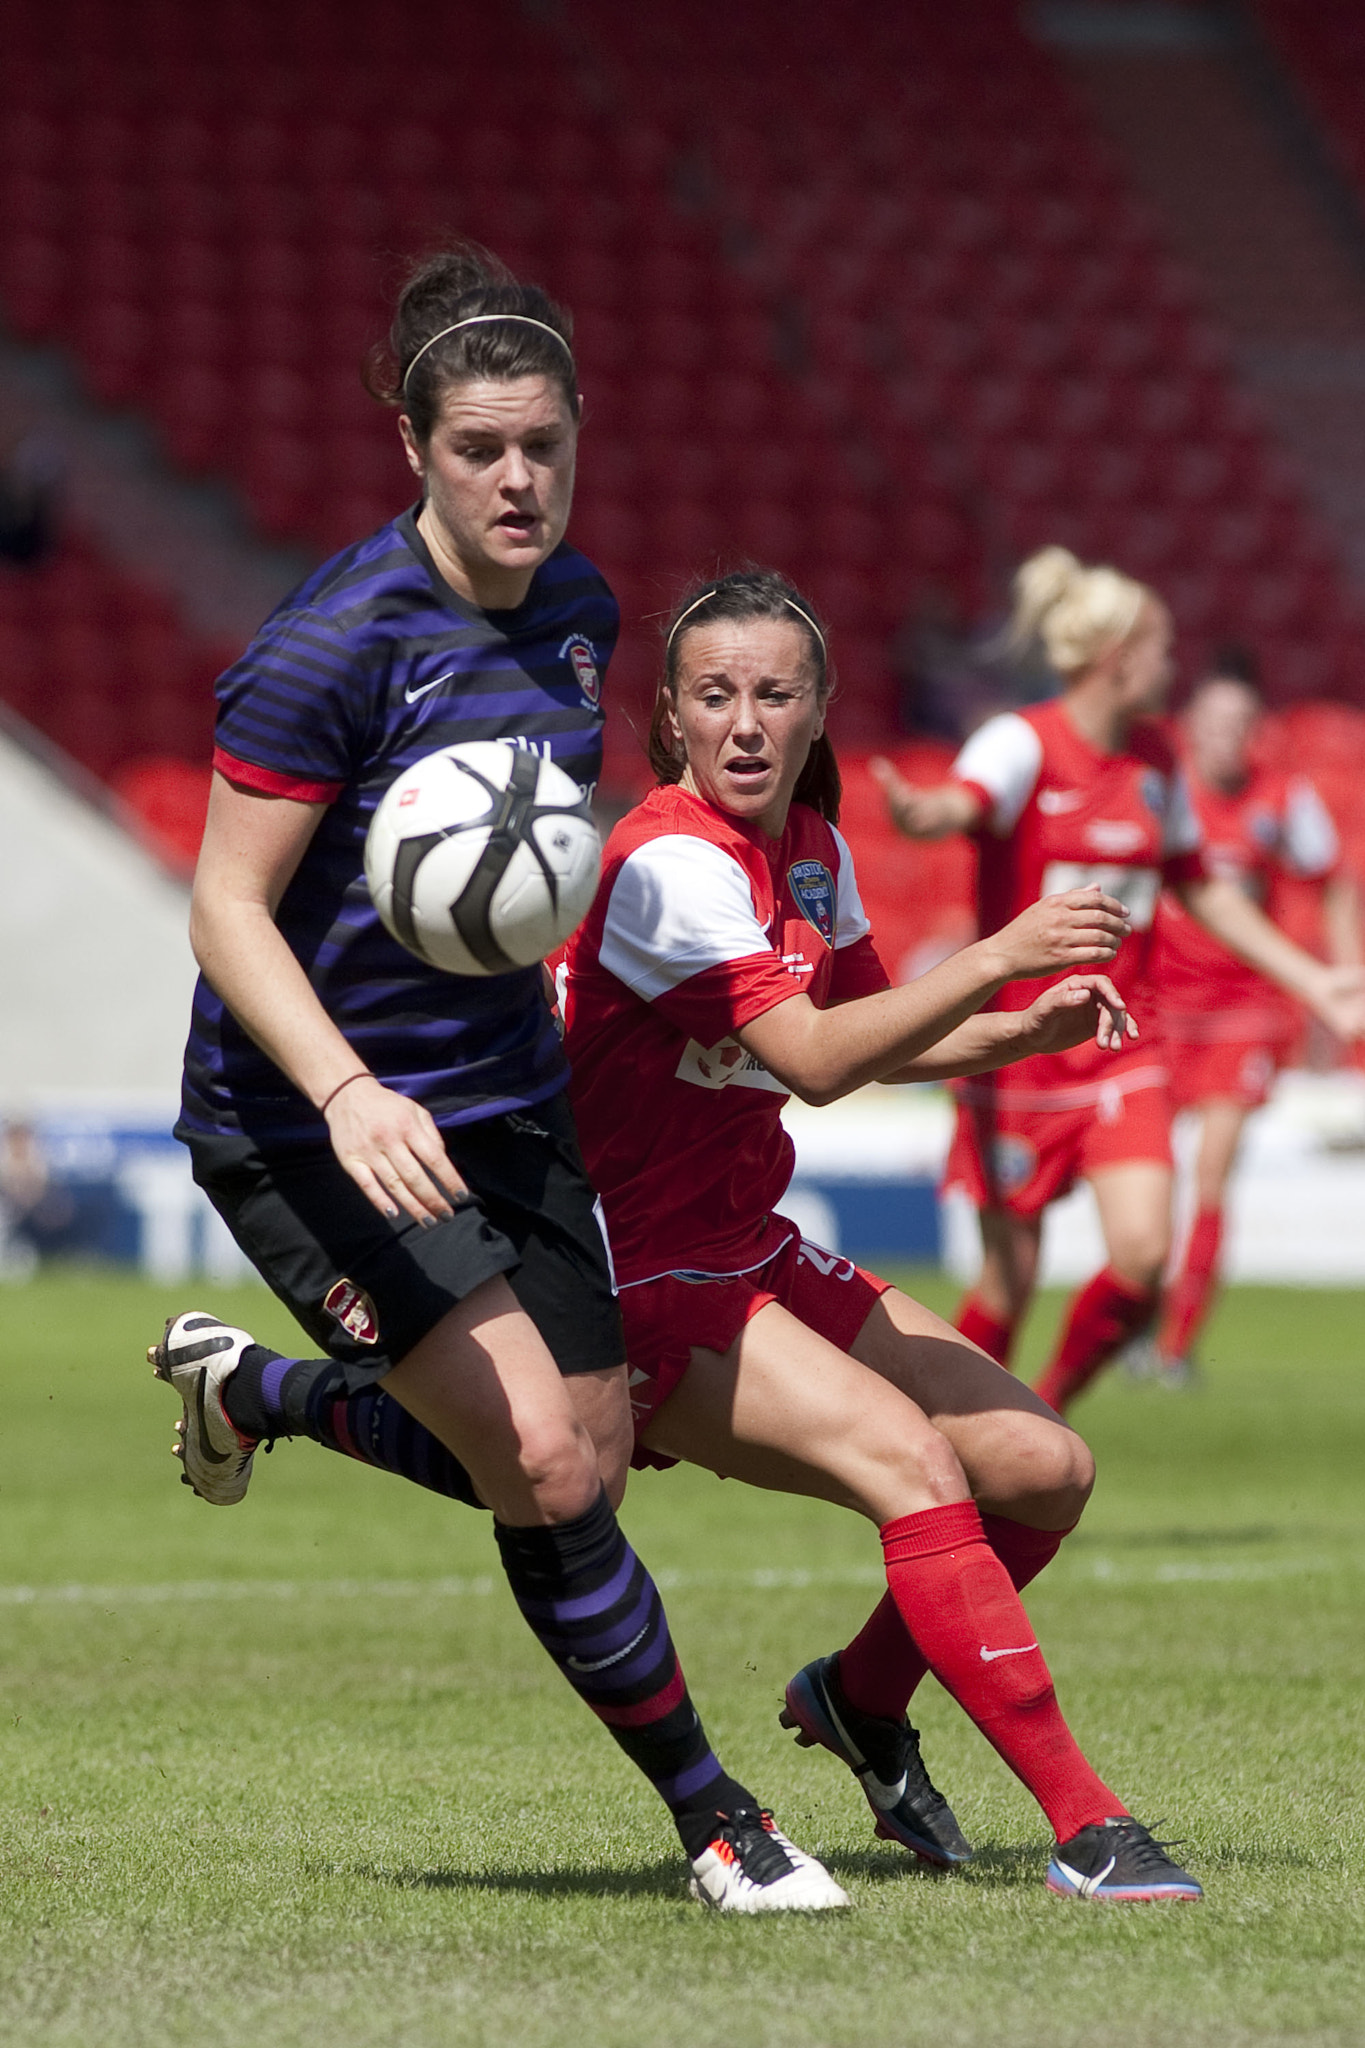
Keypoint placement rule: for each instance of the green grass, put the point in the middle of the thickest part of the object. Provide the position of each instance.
(298, 1774)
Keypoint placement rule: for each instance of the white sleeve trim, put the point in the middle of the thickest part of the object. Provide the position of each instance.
(1181, 831)
(678, 906)
(851, 922)
(1311, 846)
(1005, 756)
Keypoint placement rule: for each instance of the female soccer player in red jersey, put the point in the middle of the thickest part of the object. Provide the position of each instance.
(726, 964)
(1226, 1029)
(390, 1145)
(1087, 789)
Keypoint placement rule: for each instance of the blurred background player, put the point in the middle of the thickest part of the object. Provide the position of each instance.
(1086, 789)
(1226, 1028)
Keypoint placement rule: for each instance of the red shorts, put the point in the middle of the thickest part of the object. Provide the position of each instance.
(1011, 1152)
(1232, 1054)
(665, 1319)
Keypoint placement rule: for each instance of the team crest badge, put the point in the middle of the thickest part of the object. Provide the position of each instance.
(583, 662)
(812, 885)
(351, 1306)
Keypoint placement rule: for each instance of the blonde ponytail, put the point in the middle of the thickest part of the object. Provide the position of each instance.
(1075, 613)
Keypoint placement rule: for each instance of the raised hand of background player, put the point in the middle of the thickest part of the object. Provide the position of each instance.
(925, 813)
(393, 1151)
(1341, 1001)
(1079, 928)
(1072, 1011)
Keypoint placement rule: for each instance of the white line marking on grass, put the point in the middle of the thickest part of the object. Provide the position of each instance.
(188, 1592)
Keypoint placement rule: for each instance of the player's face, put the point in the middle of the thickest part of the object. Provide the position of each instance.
(1142, 672)
(746, 715)
(1219, 725)
(498, 475)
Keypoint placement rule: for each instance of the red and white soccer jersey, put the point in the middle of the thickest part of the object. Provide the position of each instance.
(701, 923)
(1058, 814)
(1226, 1027)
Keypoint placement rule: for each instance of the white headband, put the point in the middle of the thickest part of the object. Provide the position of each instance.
(482, 320)
(706, 597)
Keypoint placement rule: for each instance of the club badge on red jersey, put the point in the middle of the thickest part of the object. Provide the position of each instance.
(812, 884)
(583, 662)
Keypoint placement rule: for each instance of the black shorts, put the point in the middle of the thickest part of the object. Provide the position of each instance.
(368, 1290)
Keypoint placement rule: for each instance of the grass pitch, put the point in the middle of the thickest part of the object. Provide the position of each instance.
(297, 1773)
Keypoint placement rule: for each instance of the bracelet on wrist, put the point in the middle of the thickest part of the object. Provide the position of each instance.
(364, 1074)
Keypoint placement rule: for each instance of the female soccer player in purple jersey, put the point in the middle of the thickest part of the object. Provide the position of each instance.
(390, 1145)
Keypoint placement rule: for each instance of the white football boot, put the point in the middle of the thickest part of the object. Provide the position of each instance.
(196, 1355)
(749, 1866)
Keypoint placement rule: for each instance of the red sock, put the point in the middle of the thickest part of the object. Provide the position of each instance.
(1103, 1316)
(979, 1326)
(883, 1665)
(955, 1594)
(1187, 1304)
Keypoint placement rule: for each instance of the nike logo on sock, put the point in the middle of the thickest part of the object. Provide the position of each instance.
(577, 1664)
(410, 695)
(989, 1656)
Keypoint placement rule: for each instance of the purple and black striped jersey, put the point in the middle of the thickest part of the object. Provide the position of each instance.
(369, 665)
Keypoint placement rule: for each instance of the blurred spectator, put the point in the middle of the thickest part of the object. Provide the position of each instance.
(36, 1211)
(953, 675)
(30, 473)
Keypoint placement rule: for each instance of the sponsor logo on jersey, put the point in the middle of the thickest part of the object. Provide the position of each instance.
(351, 1306)
(1055, 803)
(1013, 1162)
(1116, 836)
(726, 1065)
(581, 659)
(812, 884)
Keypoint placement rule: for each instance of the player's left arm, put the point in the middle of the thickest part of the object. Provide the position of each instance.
(1335, 994)
(1068, 1013)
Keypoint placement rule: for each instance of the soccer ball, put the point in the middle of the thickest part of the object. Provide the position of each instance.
(482, 858)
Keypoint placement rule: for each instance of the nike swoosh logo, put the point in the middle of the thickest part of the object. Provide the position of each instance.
(206, 1449)
(410, 695)
(989, 1656)
(1086, 1887)
(577, 1664)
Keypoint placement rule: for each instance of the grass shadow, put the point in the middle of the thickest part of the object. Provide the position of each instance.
(662, 1879)
(1176, 1539)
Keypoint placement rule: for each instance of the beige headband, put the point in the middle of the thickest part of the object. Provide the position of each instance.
(483, 320)
(706, 597)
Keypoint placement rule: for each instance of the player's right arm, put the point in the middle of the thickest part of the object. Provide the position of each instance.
(292, 715)
(927, 813)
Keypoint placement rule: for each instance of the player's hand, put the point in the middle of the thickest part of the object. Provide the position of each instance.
(1072, 1011)
(393, 1152)
(1079, 928)
(1339, 1000)
(912, 810)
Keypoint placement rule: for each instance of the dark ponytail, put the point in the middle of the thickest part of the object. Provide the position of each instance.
(748, 594)
(420, 361)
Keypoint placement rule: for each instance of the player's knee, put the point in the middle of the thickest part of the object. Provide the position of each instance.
(1048, 1476)
(925, 1464)
(557, 1468)
(1140, 1255)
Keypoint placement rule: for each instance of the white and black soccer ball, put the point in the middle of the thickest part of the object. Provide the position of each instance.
(482, 858)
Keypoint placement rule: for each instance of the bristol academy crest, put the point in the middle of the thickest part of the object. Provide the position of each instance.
(812, 884)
